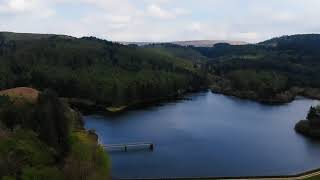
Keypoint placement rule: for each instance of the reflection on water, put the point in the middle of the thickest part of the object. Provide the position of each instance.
(211, 135)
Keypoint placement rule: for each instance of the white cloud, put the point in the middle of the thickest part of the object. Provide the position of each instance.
(158, 12)
(247, 36)
(161, 12)
(25, 7)
(181, 11)
(18, 5)
(162, 20)
(195, 27)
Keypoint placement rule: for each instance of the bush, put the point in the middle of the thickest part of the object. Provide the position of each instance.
(23, 148)
(41, 173)
(302, 127)
(87, 160)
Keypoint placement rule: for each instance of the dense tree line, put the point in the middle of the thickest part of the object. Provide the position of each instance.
(94, 69)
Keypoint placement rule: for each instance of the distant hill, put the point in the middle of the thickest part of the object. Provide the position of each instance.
(195, 43)
(11, 36)
(207, 43)
(299, 40)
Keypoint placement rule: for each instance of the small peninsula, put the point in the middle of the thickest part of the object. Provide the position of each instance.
(311, 126)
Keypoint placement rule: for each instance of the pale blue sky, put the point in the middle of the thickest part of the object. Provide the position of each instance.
(163, 20)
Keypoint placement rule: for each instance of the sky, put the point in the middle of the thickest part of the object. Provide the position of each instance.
(163, 20)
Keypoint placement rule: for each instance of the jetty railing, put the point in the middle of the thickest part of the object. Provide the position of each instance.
(130, 146)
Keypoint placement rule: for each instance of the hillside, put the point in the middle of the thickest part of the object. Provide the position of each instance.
(106, 73)
(10, 36)
(44, 139)
(294, 41)
(182, 52)
(273, 71)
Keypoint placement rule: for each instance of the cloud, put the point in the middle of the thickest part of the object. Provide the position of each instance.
(25, 7)
(16, 6)
(158, 12)
(162, 20)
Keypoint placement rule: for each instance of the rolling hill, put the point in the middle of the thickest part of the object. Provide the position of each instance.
(195, 43)
(89, 68)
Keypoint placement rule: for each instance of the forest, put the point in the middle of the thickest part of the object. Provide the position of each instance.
(273, 71)
(93, 69)
(115, 75)
(42, 137)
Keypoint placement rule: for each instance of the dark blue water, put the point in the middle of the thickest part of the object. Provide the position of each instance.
(210, 135)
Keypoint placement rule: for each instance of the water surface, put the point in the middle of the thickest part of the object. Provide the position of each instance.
(210, 135)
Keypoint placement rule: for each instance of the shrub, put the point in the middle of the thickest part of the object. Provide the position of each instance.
(41, 173)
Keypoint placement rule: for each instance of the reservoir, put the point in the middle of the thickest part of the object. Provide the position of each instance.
(210, 135)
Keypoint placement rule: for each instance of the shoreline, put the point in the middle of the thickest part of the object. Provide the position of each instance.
(87, 107)
(301, 175)
(279, 99)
